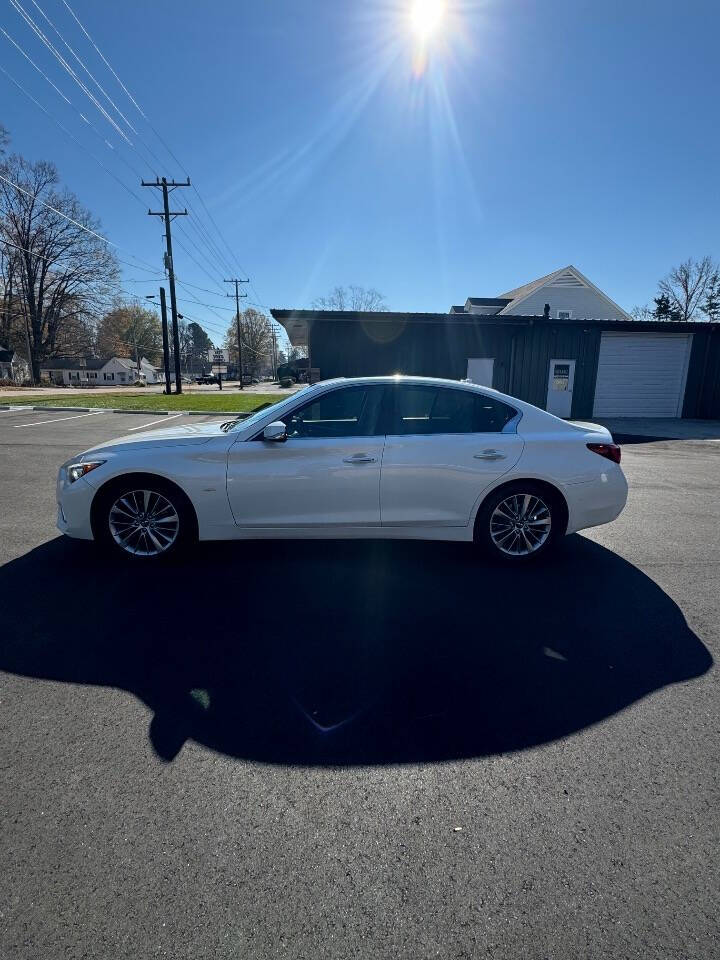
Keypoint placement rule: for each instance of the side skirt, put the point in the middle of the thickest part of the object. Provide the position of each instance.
(338, 533)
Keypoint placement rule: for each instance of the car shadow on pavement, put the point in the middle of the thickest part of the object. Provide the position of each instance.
(350, 652)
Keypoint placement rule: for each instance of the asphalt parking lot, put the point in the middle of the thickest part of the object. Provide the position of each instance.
(360, 749)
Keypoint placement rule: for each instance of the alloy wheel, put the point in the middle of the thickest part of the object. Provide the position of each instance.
(144, 523)
(520, 524)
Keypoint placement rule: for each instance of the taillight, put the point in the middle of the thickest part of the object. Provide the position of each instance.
(611, 451)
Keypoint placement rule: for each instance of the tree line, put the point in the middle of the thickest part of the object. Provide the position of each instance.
(60, 283)
(690, 291)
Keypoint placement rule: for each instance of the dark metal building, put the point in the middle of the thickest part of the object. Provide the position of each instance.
(607, 371)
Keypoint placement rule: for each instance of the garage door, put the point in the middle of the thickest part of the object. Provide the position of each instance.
(641, 374)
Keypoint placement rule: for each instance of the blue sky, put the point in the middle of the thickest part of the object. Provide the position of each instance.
(539, 134)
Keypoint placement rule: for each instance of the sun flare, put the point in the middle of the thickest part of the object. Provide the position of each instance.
(426, 18)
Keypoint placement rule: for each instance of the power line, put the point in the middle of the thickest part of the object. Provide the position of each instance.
(71, 136)
(163, 142)
(71, 104)
(75, 222)
(19, 9)
(96, 82)
(200, 253)
(196, 221)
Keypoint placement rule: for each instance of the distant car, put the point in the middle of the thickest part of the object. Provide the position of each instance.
(383, 457)
(248, 380)
(206, 379)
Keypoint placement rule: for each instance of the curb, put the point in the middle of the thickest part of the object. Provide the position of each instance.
(238, 414)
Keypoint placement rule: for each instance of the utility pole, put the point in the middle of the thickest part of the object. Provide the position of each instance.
(137, 356)
(237, 320)
(168, 215)
(166, 345)
(274, 352)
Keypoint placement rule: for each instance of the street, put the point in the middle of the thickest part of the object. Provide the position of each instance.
(360, 749)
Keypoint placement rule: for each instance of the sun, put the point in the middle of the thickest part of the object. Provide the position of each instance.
(426, 18)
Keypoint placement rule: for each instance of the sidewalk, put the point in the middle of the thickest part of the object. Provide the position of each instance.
(661, 428)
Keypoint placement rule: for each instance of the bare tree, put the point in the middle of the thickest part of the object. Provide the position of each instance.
(62, 272)
(644, 312)
(351, 298)
(256, 336)
(688, 285)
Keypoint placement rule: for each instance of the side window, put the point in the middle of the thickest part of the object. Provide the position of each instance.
(491, 415)
(438, 410)
(349, 412)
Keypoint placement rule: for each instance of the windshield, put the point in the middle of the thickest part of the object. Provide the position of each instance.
(278, 407)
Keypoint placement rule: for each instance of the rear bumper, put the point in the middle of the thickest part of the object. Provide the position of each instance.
(596, 501)
(73, 514)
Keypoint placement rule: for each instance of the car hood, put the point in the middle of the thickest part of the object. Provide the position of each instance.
(169, 437)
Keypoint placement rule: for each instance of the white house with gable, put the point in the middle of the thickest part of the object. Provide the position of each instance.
(94, 372)
(569, 293)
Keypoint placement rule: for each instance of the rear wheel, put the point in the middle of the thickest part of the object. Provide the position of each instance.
(519, 522)
(145, 520)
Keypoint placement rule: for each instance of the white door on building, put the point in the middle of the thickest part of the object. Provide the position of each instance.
(561, 381)
(480, 370)
(641, 374)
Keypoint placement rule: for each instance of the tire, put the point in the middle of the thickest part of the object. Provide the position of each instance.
(144, 519)
(520, 522)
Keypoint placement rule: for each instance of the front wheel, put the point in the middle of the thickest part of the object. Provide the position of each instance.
(519, 523)
(146, 520)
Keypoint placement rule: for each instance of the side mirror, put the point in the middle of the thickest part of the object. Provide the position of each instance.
(276, 432)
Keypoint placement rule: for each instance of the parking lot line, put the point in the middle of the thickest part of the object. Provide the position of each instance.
(77, 416)
(153, 422)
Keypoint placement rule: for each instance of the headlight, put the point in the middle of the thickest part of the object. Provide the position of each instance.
(77, 470)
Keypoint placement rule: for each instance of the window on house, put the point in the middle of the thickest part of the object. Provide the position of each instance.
(564, 314)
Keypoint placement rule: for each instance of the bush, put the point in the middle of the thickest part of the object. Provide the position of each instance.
(287, 382)
(139, 383)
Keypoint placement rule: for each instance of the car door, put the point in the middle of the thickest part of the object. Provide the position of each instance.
(444, 446)
(327, 472)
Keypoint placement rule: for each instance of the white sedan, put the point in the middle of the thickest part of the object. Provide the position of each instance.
(387, 457)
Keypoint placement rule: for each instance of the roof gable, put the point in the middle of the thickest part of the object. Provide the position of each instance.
(564, 278)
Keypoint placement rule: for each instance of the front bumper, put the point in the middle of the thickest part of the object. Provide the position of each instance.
(74, 501)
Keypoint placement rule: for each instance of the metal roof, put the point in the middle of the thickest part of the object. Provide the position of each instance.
(296, 322)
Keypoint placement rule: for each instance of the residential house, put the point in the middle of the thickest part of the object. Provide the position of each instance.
(13, 366)
(98, 372)
(568, 292)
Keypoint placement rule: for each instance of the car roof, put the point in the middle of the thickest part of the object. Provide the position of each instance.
(405, 378)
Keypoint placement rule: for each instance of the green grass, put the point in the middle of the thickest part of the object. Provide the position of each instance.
(222, 400)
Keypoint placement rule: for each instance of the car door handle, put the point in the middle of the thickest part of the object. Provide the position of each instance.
(360, 458)
(489, 455)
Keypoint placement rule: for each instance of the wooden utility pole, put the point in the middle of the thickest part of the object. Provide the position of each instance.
(166, 345)
(168, 215)
(237, 320)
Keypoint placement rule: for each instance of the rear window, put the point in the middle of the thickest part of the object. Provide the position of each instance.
(438, 410)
